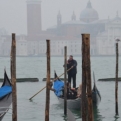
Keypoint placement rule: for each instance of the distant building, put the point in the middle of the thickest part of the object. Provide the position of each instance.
(89, 23)
(34, 26)
(22, 46)
(107, 39)
(102, 34)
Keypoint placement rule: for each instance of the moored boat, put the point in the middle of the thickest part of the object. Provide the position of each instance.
(5, 96)
(75, 103)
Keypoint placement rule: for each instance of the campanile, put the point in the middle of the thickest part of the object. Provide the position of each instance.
(34, 26)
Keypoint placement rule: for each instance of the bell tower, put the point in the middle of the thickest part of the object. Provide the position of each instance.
(59, 19)
(34, 26)
(73, 17)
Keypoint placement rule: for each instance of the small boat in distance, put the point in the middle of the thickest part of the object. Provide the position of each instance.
(74, 103)
(5, 96)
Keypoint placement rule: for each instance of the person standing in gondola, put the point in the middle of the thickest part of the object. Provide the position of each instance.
(71, 63)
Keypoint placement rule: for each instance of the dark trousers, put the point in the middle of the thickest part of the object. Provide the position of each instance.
(72, 76)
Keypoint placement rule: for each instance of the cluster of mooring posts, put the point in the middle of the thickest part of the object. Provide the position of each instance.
(87, 109)
(86, 105)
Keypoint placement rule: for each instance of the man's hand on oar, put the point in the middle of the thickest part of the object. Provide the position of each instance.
(45, 86)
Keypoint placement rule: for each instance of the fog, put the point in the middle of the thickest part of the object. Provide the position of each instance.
(13, 13)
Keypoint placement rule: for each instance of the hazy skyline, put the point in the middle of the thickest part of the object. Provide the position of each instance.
(13, 13)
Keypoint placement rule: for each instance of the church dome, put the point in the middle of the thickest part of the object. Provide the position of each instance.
(89, 14)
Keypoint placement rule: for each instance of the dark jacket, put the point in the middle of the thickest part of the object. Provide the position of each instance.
(70, 64)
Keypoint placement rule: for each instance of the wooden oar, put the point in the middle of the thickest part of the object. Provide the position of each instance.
(45, 86)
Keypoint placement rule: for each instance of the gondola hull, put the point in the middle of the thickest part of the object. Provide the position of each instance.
(71, 103)
(58, 85)
(5, 96)
(4, 105)
(76, 103)
(96, 97)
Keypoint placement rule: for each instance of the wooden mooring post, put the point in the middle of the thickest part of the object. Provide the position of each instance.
(87, 107)
(13, 78)
(48, 82)
(116, 82)
(65, 82)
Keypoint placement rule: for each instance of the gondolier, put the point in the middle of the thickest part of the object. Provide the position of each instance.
(72, 73)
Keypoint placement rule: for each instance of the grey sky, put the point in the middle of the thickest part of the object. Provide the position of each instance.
(13, 12)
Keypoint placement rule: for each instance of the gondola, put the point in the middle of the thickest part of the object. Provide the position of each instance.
(95, 93)
(96, 97)
(5, 96)
(74, 103)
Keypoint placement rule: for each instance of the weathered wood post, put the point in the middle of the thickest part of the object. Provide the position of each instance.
(48, 82)
(84, 100)
(88, 78)
(13, 78)
(65, 78)
(87, 75)
(116, 82)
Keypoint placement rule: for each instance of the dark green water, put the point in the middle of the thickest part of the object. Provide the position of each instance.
(104, 67)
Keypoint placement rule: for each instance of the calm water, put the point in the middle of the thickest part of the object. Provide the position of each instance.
(103, 67)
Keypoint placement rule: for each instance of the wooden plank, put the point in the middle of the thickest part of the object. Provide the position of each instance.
(44, 79)
(109, 79)
(24, 80)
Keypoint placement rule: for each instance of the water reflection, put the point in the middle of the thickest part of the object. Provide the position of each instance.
(116, 118)
(76, 113)
(97, 115)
